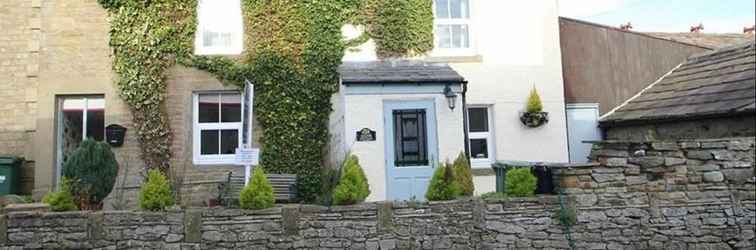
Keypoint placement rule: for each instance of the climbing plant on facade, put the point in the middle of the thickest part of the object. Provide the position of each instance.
(292, 52)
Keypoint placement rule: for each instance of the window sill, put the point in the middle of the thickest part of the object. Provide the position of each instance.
(456, 59)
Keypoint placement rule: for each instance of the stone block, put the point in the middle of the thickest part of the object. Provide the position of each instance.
(739, 145)
(192, 226)
(705, 168)
(723, 155)
(636, 180)
(647, 161)
(665, 146)
(568, 182)
(715, 144)
(738, 175)
(714, 176)
(601, 178)
(700, 154)
(387, 244)
(690, 144)
(613, 161)
(632, 170)
(669, 161)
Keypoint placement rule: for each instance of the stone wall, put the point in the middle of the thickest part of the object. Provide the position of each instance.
(722, 127)
(654, 195)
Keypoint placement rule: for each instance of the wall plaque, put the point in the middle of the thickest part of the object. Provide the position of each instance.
(365, 134)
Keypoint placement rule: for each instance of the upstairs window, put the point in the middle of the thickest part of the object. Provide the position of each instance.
(219, 28)
(452, 25)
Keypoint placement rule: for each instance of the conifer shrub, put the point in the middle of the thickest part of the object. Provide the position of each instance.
(258, 193)
(463, 175)
(61, 200)
(155, 194)
(520, 182)
(353, 186)
(443, 186)
(91, 170)
(534, 102)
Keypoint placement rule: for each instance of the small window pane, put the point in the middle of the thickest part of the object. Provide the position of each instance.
(443, 34)
(442, 8)
(208, 108)
(229, 141)
(209, 142)
(459, 9)
(96, 124)
(459, 36)
(478, 119)
(231, 108)
(479, 148)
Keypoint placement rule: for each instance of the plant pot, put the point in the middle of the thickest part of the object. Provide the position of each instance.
(534, 119)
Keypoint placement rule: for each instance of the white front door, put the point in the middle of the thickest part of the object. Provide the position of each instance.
(411, 148)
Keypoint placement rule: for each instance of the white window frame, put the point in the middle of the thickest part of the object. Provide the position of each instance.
(444, 52)
(219, 159)
(231, 19)
(488, 136)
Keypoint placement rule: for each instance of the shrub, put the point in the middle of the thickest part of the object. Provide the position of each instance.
(463, 175)
(520, 182)
(443, 186)
(567, 216)
(534, 102)
(155, 194)
(353, 185)
(92, 170)
(61, 200)
(258, 193)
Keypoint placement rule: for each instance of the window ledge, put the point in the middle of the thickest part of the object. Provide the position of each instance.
(456, 59)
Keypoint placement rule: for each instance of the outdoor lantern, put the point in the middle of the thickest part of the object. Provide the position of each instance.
(450, 97)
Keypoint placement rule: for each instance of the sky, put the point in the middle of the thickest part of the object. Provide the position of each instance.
(717, 16)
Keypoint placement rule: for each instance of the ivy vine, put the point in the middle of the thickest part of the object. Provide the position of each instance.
(293, 50)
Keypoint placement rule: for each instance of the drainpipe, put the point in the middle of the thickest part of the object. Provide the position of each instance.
(464, 119)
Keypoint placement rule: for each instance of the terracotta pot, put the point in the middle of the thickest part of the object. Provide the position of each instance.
(534, 119)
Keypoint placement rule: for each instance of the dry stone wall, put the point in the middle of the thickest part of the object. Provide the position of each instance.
(639, 196)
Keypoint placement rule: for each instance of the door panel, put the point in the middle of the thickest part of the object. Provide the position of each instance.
(411, 148)
(582, 125)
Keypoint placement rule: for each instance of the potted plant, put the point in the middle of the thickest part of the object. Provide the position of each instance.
(534, 115)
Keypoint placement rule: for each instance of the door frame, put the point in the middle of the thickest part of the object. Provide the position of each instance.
(432, 137)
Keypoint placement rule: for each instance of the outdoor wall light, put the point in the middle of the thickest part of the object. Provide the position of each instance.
(450, 97)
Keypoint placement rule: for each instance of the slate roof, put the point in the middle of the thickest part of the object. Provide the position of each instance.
(404, 71)
(708, 40)
(716, 83)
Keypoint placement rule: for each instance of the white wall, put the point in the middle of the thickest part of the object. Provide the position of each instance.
(366, 111)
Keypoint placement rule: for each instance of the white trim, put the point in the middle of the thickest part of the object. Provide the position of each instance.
(197, 128)
(488, 136)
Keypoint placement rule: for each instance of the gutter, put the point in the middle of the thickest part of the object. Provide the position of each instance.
(464, 119)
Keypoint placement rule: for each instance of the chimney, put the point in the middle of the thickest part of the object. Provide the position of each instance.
(627, 26)
(697, 29)
(749, 30)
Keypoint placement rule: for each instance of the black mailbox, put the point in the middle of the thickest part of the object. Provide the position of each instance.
(114, 134)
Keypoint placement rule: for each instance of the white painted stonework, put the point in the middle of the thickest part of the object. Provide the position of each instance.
(515, 46)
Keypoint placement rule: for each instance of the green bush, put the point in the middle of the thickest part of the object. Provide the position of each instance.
(520, 182)
(92, 170)
(463, 175)
(61, 200)
(353, 186)
(534, 102)
(258, 193)
(443, 186)
(155, 194)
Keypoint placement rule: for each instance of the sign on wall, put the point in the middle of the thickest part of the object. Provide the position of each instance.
(247, 156)
(366, 134)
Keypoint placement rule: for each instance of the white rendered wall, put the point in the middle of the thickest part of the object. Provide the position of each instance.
(366, 111)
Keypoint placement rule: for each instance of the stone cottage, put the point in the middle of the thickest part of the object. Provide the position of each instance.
(57, 88)
(710, 95)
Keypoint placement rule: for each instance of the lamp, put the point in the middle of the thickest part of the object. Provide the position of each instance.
(451, 97)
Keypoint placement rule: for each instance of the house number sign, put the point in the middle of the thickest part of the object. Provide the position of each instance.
(365, 134)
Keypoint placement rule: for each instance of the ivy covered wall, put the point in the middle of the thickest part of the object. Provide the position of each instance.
(292, 52)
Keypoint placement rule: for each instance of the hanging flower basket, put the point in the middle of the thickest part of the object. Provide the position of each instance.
(534, 119)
